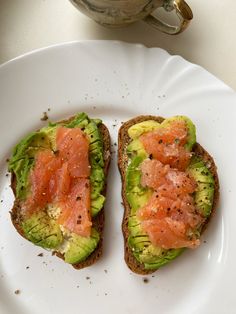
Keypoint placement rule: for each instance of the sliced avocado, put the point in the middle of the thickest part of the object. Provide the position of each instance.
(154, 262)
(81, 120)
(137, 195)
(97, 204)
(51, 133)
(133, 173)
(201, 174)
(42, 231)
(22, 159)
(79, 248)
(151, 256)
(204, 194)
(204, 197)
(93, 132)
(139, 128)
(136, 147)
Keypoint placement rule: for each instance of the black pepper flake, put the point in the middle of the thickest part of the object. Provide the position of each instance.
(78, 198)
(87, 278)
(7, 174)
(145, 280)
(27, 267)
(17, 291)
(151, 156)
(40, 255)
(160, 141)
(86, 185)
(7, 160)
(44, 117)
(105, 271)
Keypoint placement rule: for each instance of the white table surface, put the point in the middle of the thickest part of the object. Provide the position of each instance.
(209, 41)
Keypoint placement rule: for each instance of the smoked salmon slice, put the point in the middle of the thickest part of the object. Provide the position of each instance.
(170, 217)
(167, 145)
(61, 179)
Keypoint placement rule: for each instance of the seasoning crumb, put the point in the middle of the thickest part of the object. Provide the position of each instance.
(7, 174)
(17, 291)
(145, 280)
(44, 117)
(204, 241)
(105, 293)
(87, 278)
(7, 160)
(105, 271)
(40, 255)
(122, 122)
(153, 276)
(115, 144)
(49, 109)
(27, 267)
(122, 203)
(1, 201)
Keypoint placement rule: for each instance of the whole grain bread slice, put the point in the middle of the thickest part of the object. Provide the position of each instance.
(98, 221)
(123, 142)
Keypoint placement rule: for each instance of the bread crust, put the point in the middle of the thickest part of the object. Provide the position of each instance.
(123, 142)
(98, 221)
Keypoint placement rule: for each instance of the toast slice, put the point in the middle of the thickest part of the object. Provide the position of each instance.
(123, 159)
(97, 221)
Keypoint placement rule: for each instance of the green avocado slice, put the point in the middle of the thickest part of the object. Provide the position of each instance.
(42, 231)
(79, 248)
(204, 194)
(22, 160)
(150, 256)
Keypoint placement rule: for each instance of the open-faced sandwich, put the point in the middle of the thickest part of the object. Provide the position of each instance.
(58, 178)
(169, 187)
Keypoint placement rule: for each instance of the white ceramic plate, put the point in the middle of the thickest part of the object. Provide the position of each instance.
(116, 81)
